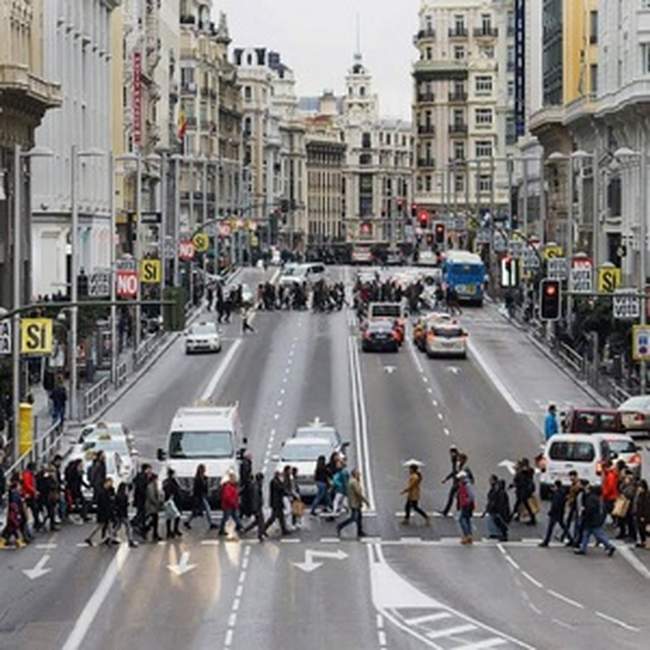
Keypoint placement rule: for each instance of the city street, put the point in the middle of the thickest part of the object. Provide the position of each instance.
(402, 587)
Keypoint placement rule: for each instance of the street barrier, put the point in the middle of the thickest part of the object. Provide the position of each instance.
(95, 397)
(144, 351)
(122, 372)
(42, 450)
(571, 358)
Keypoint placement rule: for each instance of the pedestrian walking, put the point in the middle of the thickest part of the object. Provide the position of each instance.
(230, 503)
(257, 507)
(245, 484)
(276, 501)
(297, 504)
(200, 503)
(322, 479)
(28, 485)
(453, 458)
(171, 504)
(140, 483)
(246, 313)
(497, 509)
(59, 397)
(610, 491)
(340, 482)
(152, 506)
(105, 500)
(593, 517)
(356, 500)
(573, 508)
(465, 504)
(524, 485)
(121, 515)
(14, 528)
(642, 512)
(556, 514)
(624, 507)
(413, 493)
(550, 422)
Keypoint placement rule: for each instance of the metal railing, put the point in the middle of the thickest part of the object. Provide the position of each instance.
(572, 359)
(43, 448)
(96, 397)
(122, 372)
(144, 351)
(618, 395)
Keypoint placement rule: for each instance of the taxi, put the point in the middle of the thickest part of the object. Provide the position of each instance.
(423, 324)
(446, 339)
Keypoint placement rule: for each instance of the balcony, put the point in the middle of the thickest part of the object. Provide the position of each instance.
(205, 91)
(423, 34)
(458, 32)
(440, 70)
(486, 32)
(458, 130)
(188, 88)
(426, 163)
(457, 96)
(426, 98)
(426, 129)
(188, 20)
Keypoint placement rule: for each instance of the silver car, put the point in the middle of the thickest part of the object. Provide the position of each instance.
(202, 337)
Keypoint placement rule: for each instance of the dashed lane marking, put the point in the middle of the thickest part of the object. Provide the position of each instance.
(532, 580)
(565, 599)
(618, 622)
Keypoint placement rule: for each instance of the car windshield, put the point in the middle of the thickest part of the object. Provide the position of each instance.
(641, 402)
(200, 444)
(204, 328)
(294, 272)
(582, 452)
(385, 311)
(326, 434)
(622, 446)
(97, 444)
(448, 332)
(306, 452)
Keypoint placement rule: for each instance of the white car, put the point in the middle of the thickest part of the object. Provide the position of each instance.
(101, 427)
(446, 339)
(303, 453)
(203, 337)
(322, 431)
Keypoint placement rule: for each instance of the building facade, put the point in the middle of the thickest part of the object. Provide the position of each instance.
(77, 54)
(26, 94)
(463, 109)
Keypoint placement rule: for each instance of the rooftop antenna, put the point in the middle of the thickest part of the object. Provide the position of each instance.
(357, 54)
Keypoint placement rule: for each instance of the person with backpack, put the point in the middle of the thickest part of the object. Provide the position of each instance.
(465, 504)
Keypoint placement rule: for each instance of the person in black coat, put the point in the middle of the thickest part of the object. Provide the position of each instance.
(105, 498)
(276, 501)
(593, 518)
(524, 484)
(498, 507)
(172, 499)
(121, 515)
(556, 514)
(140, 495)
(246, 485)
(74, 484)
(201, 505)
(257, 507)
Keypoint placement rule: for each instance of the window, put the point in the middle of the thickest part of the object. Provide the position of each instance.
(459, 183)
(248, 93)
(350, 91)
(511, 88)
(486, 23)
(388, 138)
(483, 85)
(187, 76)
(362, 91)
(484, 149)
(459, 52)
(485, 183)
(511, 57)
(459, 116)
(429, 54)
(593, 26)
(645, 59)
(593, 79)
(366, 141)
(459, 23)
(488, 52)
(483, 117)
(459, 151)
(427, 182)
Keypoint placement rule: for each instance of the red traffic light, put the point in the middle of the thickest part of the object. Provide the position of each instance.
(550, 300)
(440, 233)
(423, 218)
(550, 290)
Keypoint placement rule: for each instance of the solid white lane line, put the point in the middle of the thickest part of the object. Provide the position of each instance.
(221, 370)
(564, 599)
(512, 562)
(480, 645)
(427, 618)
(628, 555)
(532, 580)
(85, 620)
(451, 631)
(616, 621)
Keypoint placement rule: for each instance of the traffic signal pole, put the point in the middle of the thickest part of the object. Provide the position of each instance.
(643, 235)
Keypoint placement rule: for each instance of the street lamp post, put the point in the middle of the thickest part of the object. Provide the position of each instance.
(177, 160)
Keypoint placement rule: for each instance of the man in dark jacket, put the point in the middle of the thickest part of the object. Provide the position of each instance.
(105, 499)
(140, 495)
(556, 514)
(276, 501)
(453, 457)
(593, 518)
(257, 507)
(246, 485)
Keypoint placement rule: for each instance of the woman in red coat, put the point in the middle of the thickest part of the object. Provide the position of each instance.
(230, 503)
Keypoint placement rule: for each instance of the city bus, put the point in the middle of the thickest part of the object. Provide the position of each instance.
(466, 273)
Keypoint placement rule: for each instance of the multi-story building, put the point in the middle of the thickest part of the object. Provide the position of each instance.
(325, 177)
(463, 105)
(25, 96)
(77, 54)
(565, 120)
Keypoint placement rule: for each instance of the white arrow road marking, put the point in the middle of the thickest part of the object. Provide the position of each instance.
(453, 370)
(390, 369)
(309, 565)
(183, 565)
(39, 570)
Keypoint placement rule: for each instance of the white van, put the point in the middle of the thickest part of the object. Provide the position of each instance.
(208, 435)
(297, 274)
(583, 453)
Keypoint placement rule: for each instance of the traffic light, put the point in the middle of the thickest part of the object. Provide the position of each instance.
(550, 307)
(423, 219)
(82, 285)
(414, 210)
(440, 233)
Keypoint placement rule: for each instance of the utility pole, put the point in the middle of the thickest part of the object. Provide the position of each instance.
(17, 300)
(643, 235)
(74, 273)
(111, 203)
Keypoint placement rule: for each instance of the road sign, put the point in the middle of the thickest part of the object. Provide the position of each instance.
(186, 251)
(641, 342)
(557, 268)
(126, 264)
(531, 259)
(201, 242)
(36, 336)
(127, 284)
(150, 271)
(581, 279)
(509, 272)
(5, 337)
(551, 252)
(626, 306)
(99, 284)
(609, 279)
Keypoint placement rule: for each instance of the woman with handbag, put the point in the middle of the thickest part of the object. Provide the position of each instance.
(171, 496)
(623, 510)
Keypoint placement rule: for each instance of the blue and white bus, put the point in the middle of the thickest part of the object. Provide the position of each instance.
(465, 272)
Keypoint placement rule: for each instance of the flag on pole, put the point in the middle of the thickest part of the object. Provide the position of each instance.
(182, 125)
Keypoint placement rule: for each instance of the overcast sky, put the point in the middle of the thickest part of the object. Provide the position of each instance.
(317, 40)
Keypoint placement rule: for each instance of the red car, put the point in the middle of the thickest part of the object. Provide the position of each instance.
(593, 420)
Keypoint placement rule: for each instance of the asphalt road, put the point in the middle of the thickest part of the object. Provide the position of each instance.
(403, 587)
